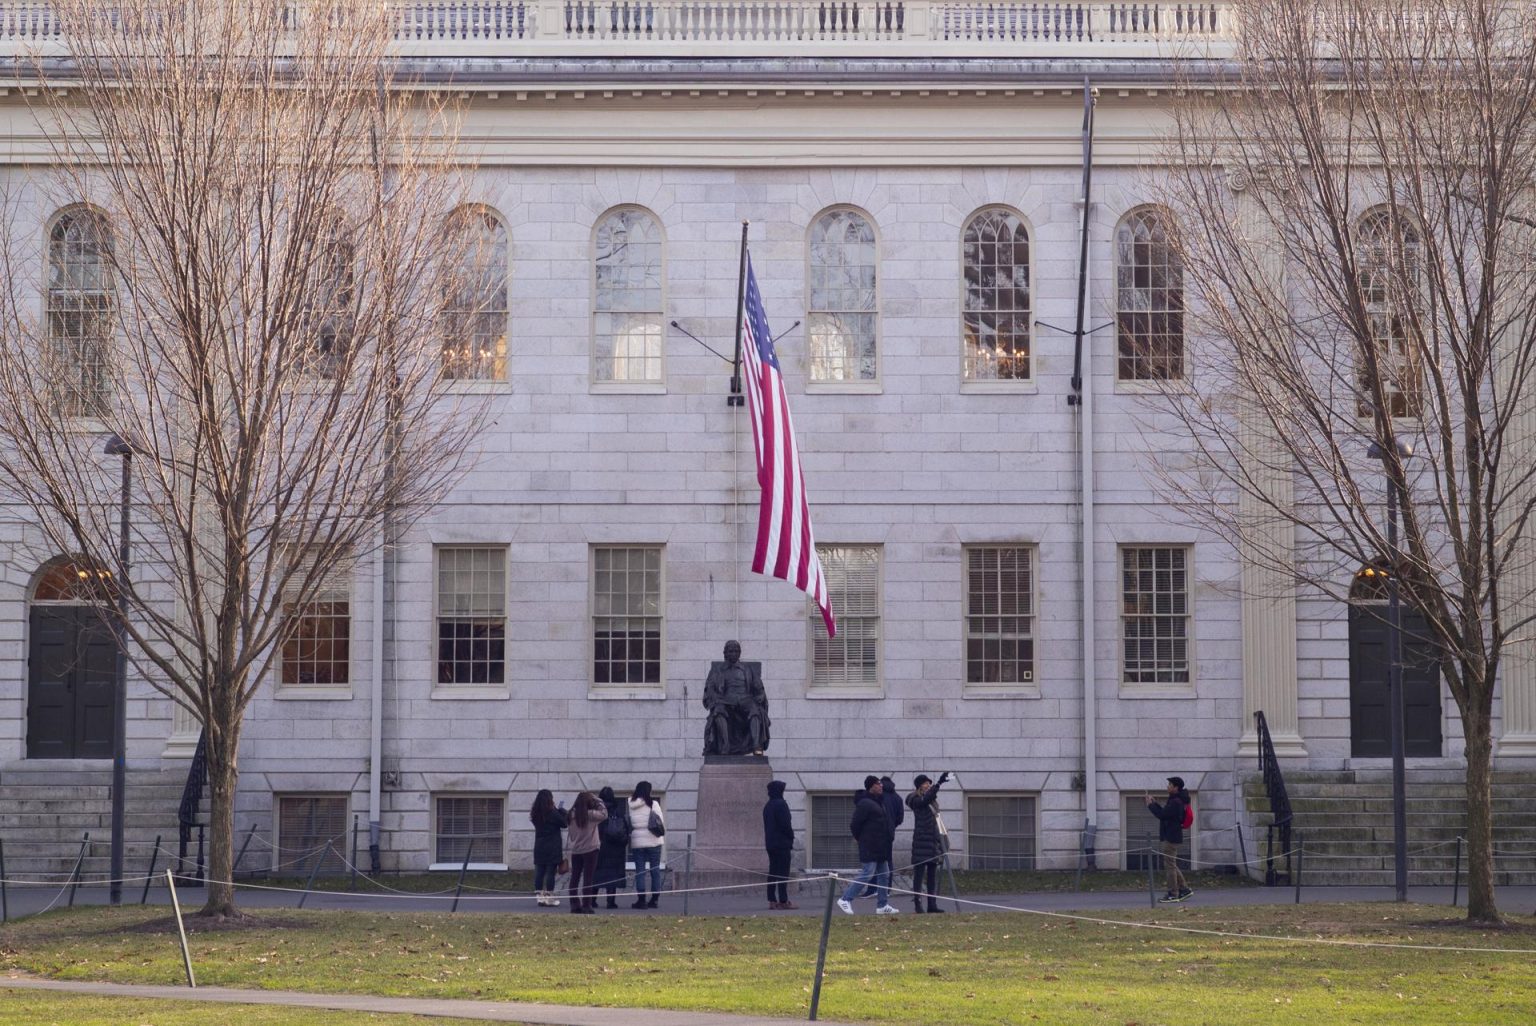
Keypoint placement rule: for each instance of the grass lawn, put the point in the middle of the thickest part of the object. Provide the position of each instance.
(31, 1008)
(945, 970)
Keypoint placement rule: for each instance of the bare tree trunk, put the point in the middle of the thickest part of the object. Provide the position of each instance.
(1480, 893)
(223, 775)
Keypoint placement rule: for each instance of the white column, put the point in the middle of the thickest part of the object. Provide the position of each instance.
(184, 730)
(1517, 734)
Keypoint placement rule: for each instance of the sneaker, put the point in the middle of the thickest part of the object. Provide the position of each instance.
(788, 905)
(887, 910)
(842, 903)
(1168, 899)
(1186, 892)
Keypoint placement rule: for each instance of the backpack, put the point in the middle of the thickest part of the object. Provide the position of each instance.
(1189, 816)
(616, 828)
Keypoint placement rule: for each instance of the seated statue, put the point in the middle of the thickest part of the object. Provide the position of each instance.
(738, 707)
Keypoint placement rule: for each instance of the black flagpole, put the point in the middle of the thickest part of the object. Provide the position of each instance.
(736, 398)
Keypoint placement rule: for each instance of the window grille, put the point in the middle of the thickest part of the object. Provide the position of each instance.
(469, 824)
(1149, 288)
(627, 310)
(81, 300)
(1155, 618)
(852, 659)
(475, 301)
(318, 635)
(306, 823)
(471, 615)
(999, 615)
(1000, 831)
(627, 606)
(1390, 262)
(830, 844)
(840, 322)
(996, 320)
(330, 312)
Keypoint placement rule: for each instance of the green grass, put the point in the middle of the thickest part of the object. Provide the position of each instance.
(34, 1008)
(912, 970)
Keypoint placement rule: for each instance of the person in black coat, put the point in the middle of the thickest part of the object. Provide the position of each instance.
(1170, 831)
(548, 846)
(779, 840)
(927, 840)
(873, 831)
(611, 854)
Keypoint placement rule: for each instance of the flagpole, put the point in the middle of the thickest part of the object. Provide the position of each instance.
(736, 398)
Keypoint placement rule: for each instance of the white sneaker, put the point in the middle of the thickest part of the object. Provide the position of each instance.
(842, 903)
(887, 910)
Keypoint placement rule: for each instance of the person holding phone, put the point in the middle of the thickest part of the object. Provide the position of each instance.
(927, 840)
(548, 821)
(1170, 832)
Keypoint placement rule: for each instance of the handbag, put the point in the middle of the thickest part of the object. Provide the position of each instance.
(616, 829)
(943, 831)
(564, 867)
(655, 825)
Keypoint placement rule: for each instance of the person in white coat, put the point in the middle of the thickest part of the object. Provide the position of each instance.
(645, 844)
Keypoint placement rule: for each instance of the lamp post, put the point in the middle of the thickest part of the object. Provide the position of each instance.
(117, 447)
(1395, 673)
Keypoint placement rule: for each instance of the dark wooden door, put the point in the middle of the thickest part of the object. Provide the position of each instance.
(71, 681)
(1370, 715)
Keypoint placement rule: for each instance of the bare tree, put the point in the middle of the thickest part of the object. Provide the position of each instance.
(246, 278)
(1355, 212)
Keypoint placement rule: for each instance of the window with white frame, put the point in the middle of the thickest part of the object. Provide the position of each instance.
(1149, 298)
(842, 307)
(1389, 271)
(1000, 831)
(852, 659)
(996, 318)
(475, 297)
(1155, 614)
(468, 825)
(1139, 834)
(829, 844)
(81, 298)
(627, 311)
(311, 829)
(999, 615)
(317, 629)
(627, 604)
(471, 615)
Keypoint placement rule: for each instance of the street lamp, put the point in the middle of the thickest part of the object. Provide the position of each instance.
(117, 447)
(1395, 672)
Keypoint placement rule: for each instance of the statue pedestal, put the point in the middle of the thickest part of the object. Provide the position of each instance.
(728, 836)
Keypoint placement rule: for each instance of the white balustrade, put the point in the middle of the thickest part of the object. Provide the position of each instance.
(486, 28)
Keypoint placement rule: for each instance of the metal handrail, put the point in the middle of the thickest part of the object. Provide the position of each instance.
(1281, 817)
(191, 804)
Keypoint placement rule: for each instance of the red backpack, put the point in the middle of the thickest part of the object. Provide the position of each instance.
(1189, 815)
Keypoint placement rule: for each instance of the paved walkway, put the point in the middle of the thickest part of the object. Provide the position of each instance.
(489, 1011)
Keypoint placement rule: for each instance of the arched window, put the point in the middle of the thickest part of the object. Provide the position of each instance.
(331, 315)
(81, 297)
(995, 317)
(1149, 299)
(475, 300)
(1390, 262)
(842, 307)
(627, 308)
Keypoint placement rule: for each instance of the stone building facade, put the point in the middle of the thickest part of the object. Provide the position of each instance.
(614, 494)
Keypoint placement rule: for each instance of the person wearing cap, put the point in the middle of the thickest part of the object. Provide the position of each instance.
(927, 840)
(779, 840)
(873, 831)
(1170, 832)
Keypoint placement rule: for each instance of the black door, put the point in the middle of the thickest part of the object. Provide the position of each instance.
(71, 676)
(1370, 716)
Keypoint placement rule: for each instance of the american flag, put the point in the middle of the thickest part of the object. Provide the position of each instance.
(785, 546)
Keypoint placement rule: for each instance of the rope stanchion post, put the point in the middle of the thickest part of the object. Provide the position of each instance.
(181, 929)
(5, 899)
(313, 872)
(154, 856)
(74, 874)
(1456, 876)
(1301, 850)
(243, 845)
(1082, 856)
(463, 868)
(687, 874)
(1146, 858)
(352, 884)
(821, 949)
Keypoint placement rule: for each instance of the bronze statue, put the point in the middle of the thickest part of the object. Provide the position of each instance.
(738, 707)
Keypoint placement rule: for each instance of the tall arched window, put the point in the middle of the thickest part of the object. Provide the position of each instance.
(81, 297)
(331, 315)
(995, 317)
(1390, 262)
(475, 300)
(627, 308)
(842, 309)
(1149, 299)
